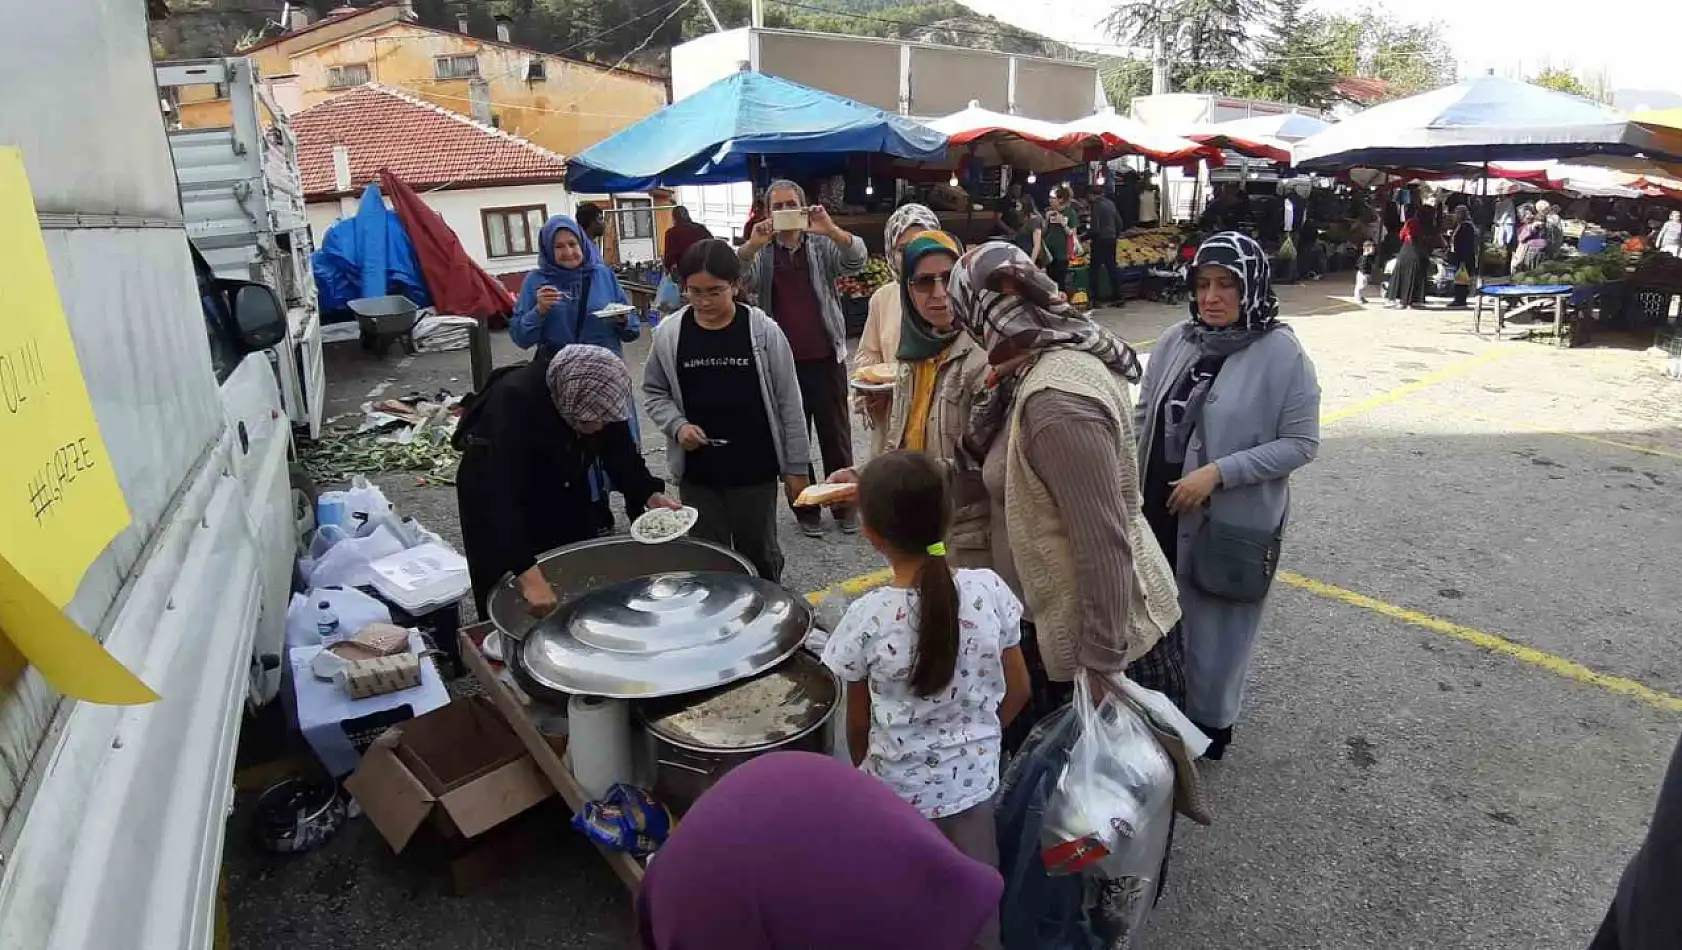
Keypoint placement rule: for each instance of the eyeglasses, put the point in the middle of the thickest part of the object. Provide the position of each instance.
(926, 283)
(708, 293)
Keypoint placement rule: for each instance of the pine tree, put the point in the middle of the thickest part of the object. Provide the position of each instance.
(1295, 62)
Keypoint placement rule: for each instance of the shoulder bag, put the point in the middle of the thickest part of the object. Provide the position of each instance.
(1234, 562)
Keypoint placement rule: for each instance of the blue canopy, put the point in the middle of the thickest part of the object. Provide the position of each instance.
(709, 137)
(1483, 119)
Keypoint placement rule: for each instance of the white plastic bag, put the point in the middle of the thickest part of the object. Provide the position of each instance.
(357, 509)
(354, 609)
(346, 563)
(1112, 790)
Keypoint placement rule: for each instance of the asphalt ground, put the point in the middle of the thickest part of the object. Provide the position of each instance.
(1466, 687)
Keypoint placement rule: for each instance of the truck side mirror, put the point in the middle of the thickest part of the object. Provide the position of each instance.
(259, 316)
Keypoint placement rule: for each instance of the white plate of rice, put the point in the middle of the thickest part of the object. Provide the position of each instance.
(659, 525)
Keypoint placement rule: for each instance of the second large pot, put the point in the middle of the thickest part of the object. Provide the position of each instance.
(700, 737)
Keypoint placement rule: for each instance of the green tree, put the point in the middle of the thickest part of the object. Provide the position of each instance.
(1562, 80)
(1206, 41)
(1296, 63)
(1125, 78)
(1411, 57)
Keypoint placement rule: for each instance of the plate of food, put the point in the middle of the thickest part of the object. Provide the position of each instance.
(616, 311)
(876, 378)
(828, 493)
(659, 525)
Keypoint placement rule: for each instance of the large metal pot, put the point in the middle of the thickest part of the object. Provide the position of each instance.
(700, 737)
(581, 568)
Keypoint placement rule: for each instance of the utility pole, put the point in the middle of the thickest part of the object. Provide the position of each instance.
(1159, 62)
(758, 11)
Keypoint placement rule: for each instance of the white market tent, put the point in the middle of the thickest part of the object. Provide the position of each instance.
(1479, 120)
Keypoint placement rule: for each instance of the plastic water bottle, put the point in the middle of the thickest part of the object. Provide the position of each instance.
(326, 622)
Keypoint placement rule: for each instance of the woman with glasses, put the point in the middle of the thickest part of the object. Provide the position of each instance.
(1227, 411)
(879, 340)
(720, 383)
(939, 369)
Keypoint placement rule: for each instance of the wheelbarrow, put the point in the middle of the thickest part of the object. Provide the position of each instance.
(384, 320)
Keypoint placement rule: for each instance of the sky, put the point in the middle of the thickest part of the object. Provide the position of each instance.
(1635, 41)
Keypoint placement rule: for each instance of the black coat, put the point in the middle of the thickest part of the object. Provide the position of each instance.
(523, 487)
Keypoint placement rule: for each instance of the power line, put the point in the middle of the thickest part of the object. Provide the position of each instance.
(681, 6)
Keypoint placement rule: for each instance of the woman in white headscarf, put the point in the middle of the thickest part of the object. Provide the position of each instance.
(880, 339)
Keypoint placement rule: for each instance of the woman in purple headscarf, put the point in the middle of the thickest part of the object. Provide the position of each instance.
(795, 851)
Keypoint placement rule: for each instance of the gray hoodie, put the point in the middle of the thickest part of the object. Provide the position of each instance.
(777, 385)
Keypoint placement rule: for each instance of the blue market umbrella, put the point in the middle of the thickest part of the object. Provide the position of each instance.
(1479, 120)
(712, 136)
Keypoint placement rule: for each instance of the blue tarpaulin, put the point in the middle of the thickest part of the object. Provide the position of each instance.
(1483, 119)
(368, 255)
(710, 137)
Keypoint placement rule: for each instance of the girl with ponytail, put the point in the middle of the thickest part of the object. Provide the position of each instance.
(932, 664)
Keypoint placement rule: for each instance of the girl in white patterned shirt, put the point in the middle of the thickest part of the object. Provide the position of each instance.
(931, 661)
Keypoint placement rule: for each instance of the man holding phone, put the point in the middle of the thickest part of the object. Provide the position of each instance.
(792, 260)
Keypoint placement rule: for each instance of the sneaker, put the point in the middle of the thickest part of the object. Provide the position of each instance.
(811, 521)
(848, 519)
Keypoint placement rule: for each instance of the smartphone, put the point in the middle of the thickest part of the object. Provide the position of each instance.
(790, 219)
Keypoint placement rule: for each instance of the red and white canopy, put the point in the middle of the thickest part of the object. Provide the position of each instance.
(1122, 136)
(994, 138)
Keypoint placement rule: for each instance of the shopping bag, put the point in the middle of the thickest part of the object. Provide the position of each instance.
(1112, 790)
(667, 298)
(1461, 277)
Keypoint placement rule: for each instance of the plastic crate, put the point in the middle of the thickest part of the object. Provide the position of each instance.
(1651, 307)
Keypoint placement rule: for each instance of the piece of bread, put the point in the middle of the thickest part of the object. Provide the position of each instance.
(828, 493)
(878, 374)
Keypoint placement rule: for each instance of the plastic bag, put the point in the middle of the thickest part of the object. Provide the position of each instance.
(1287, 250)
(354, 609)
(1114, 786)
(355, 509)
(346, 564)
(667, 298)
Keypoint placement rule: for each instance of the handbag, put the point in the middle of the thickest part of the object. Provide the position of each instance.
(1233, 562)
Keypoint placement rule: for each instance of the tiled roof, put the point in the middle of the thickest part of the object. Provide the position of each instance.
(423, 144)
(1363, 90)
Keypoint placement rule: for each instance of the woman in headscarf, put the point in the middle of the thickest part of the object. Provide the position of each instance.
(880, 339)
(1413, 263)
(940, 367)
(528, 442)
(1532, 240)
(1051, 432)
(559, 300)
(1229, 408)
(557, 308)
(795, 851)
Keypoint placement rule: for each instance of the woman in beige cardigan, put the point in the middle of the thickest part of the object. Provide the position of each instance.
(1052, 434)
(879, 342)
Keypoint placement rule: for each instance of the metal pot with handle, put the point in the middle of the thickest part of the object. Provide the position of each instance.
(698, 738)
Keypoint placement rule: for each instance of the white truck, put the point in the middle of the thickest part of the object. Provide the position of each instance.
(243, 198)
(112, 818)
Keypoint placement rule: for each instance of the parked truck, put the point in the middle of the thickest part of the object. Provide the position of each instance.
(243, 198)
(112, 818)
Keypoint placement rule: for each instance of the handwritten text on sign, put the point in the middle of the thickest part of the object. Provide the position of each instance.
(60, 503)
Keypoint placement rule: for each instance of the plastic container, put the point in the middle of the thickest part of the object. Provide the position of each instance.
(421, 579)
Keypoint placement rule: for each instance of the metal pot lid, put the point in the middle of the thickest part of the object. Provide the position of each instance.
(778, 706)
(665, 634)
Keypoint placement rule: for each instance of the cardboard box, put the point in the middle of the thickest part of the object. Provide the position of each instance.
(459, 766)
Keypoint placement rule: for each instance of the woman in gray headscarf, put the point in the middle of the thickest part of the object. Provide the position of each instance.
(528, 441)
(1228, 410)
(879, 342)
(1051, 431)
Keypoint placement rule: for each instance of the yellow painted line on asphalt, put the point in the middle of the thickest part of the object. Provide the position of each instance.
(853, 586)
(1544, 430)
(1540, 659)
(1443, 375)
